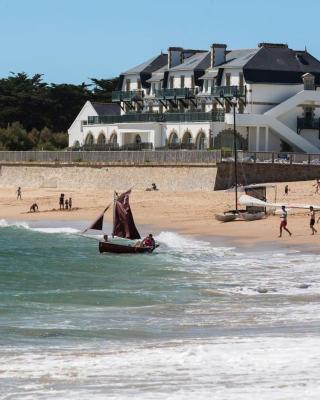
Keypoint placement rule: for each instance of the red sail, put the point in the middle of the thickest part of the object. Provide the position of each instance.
(98, 223)
(124, 225)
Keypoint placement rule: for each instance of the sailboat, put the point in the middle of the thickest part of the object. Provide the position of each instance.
(125, 238)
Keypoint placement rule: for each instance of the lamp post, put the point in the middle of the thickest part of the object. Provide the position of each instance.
(234, 104)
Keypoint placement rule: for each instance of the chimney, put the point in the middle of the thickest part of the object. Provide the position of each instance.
(175, 55)
(273, 45)
(218, 54)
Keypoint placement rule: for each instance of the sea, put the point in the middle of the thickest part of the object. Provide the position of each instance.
(195, 320)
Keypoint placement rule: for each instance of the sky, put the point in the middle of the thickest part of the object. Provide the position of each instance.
(70, 41)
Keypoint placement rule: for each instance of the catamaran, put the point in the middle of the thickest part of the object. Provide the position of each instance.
(125, 237)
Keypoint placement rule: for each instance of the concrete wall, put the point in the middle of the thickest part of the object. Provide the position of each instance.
(263, 173)
(109, 178)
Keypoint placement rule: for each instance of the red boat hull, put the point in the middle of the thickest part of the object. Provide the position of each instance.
(108, 247)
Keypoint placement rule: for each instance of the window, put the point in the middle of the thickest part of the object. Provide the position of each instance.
(138, 84)
(153, 85)
(228, 79)
(182, 81)
(206, 84)
(171, 82)
(128, 84)
(241, 82)
(192, 82)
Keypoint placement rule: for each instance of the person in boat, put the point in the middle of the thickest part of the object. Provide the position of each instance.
(313, 220)
(105, 238)
(34, 207)
(283, 223)
(149, 241)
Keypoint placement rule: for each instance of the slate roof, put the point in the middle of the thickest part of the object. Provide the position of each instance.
(200, 60)
(106, 108)
(149, 66)
(280, 65)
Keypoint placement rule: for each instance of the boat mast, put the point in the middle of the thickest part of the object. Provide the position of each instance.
(114, 210)
(235, 154)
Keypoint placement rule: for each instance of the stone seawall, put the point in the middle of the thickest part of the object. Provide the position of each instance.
(109, 178)
(249, 173)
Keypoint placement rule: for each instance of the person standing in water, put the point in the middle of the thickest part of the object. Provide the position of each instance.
(283, 223)
(19, 193)
(312, 220)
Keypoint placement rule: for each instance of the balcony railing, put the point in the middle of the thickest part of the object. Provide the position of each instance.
(131, 95)
(175, 94)
(157, 117)
(228, 91)
(308, 123)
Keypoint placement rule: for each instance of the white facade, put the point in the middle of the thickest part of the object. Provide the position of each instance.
(165, 113)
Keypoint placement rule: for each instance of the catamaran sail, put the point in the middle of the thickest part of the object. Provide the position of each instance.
(246, 200)
(123, 223)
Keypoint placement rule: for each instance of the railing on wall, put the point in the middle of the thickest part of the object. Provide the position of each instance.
(143, 157)
(158, 117)
(271, 157)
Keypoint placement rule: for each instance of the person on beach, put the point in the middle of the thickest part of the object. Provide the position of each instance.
(312, 220)
(19, 193)
(283, 223)
(70, 203)
(286, 190)
(317, 185)
(67, 204)
(34, 207)
(61, 201)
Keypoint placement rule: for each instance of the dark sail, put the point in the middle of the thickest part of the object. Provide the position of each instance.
(98, 223)
(123, 225)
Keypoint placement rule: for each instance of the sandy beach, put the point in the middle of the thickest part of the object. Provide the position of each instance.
(187, 213)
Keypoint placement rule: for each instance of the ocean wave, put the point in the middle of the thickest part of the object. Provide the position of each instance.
(18, 224)
(24, 225)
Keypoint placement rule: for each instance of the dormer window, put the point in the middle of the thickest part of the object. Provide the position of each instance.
(182, 81)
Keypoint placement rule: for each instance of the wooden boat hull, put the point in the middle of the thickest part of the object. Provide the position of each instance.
(226, 217)
(109, 247)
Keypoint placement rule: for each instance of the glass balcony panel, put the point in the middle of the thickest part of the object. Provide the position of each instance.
(228, 91)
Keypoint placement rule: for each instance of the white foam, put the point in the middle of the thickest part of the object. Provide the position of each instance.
(66, 230)
(18, 224)
(225, 368)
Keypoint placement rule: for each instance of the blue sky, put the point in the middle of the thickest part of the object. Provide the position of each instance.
(73, 40)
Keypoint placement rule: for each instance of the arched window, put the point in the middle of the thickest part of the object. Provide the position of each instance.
(200, 142)
(187, 138)
(173, 138)
(137, 139)
(89, 140)
(113, 138)
(101, 139)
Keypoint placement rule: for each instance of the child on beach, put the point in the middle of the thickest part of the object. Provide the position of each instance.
(312, 220)
(19, 193)
(283, 223)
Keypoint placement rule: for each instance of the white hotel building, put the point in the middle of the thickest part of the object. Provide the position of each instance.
(182, 100)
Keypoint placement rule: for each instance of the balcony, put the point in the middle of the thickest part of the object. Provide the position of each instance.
(157, 117)
(175, 94)
(228, 91)
(131, 95)
(308, 123)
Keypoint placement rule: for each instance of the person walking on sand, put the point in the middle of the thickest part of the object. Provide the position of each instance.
(286, 190)
(317, 185)
(283, 223)
(312, 220)
(67, 204)
(19, 196)
(61, 201)
(70, 203)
